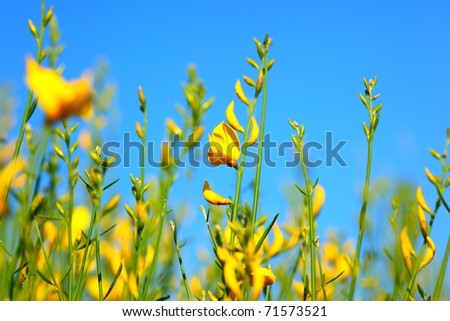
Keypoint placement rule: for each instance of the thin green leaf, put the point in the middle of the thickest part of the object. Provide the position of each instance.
(266, 232)
(110, 184)
(43, 277)
(116, 277)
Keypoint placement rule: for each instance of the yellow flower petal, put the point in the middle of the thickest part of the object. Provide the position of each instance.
(172, 127)
(224, 146)
(230, 277)
(57, 97)
(421, 200)
(278, 241)
(254, 133)
(232, 119)
(240, 93)
(407, 248)
(429, 253)
(213, 197)
(318, 200)
(422, 221)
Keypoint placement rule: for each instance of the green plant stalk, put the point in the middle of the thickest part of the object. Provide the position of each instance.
(47, 261)
(240, 169)
(85, 253)
(29, 101)
(442, 270)
(362, 222)
(39, 160)
(312, 254)
(69, 218)
(157, 241)
(322, 277)
(183, 271)
(260, 146)
(283, 291)
(98, 263)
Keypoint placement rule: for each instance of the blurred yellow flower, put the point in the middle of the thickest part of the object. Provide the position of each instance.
(85, 140)
(80, 222)
(57, 97)
(172, 127)
(224, 146)
(166, 155)
(213, 197)
(318, 200)
(7, 175)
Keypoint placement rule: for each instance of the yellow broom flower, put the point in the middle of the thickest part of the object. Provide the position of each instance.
(278, 241)
(407, 248)
(7, 175)
(231, 118)
(421, 200)
(422, 221)
(261, 278)
(318, 199)
(172, 127)
(57, 97)
(429, 253)
(224, 146)
(230, 277)
(254, 133)
(213, 197)
(240, 93)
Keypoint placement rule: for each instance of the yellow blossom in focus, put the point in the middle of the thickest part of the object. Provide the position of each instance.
(57, 97)
(407, 248)
(213, 197)
(421, 200)
(224, 146)
(254, 133)
(231, 118)
(429, 253)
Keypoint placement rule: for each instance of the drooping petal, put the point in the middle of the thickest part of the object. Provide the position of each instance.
(213, 197)
(422, 221)
(232, 119)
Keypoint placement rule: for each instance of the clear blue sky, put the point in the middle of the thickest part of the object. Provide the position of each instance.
(323, 49)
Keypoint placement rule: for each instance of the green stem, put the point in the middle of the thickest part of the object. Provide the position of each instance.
(441, 275)
(98, 262)
(180, 261)
(47, 261)
(284, 285)
(362, 222)
(69, 219)
(312, 254)
(241, 169)
(260, 146)
(85, 254)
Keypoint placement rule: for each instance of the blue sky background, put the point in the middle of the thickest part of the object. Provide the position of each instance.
(323, 49)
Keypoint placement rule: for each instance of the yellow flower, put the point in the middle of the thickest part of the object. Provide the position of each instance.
(57, 97)
(172, 127)
(85, 140)
(166, 156)
(213, 197)
(261, 278)
(422, 221)
(232, 119)
(429, 254)
(224, 146)
(240, 93)
(278, 240)
(49, 232)
(80, 222)
(254, 133)
(7, 175)
(407, 248)
(421, 200)
(318, 200)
